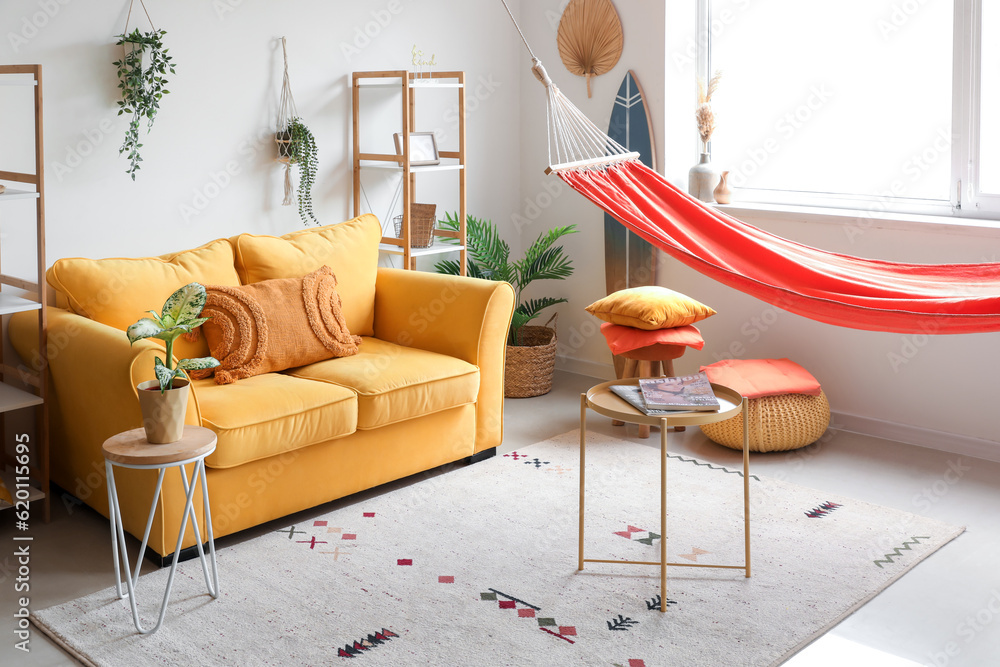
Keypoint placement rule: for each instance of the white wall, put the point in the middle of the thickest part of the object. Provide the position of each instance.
(209, 169)
(937, 391)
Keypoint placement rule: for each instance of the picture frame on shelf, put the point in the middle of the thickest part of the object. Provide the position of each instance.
(423, 148)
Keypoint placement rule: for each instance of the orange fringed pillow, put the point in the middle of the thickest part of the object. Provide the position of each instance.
(274, 325)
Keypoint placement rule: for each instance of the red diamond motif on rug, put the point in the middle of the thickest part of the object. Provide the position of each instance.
(526, 613)
(446, 579)
(319, 523)
(349, 536)
(369, 515)
(404, 561)
(507, 604)
(627, 534)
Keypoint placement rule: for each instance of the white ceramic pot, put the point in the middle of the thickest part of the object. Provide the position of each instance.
(702, 179)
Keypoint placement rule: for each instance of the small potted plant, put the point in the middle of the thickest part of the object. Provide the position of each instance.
(164, 400)
(531, 350)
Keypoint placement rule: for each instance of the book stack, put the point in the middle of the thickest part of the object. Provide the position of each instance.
(659, 396)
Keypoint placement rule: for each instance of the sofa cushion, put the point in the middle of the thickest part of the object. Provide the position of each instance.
(119, 291)
(271, 414)
(395, 383)
(275, 324)
(349, 248)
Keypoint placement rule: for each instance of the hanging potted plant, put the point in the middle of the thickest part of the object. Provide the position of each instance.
(531, 350)
(296, 146)
(163, 401)
(142, 87)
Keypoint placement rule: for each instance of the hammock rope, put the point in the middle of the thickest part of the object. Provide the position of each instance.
(837, 289)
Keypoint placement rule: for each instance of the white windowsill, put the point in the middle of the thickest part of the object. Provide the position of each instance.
(879, 220)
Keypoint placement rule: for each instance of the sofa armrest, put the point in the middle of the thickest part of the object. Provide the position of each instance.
(466, 318)
(92, 373)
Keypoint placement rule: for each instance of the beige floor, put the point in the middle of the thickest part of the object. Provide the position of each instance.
(945, 612)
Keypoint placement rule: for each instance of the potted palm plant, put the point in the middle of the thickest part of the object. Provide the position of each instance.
(163, 401)
(530, 349)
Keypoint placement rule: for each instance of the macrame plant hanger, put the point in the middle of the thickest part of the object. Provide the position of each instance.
(128, 18)
(282, 136)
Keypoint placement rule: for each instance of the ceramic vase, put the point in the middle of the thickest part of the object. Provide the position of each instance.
(702, 179)
(723, 195)
(163, 413)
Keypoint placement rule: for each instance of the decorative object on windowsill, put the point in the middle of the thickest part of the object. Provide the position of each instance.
(163, 411)
(531, 350)
(422, 219)
(3, 189)
(723, 194)
(296, 146)
(590, 38)
(702, 178)
(141, 88)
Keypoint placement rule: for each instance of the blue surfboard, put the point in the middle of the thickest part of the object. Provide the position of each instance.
(629, 261)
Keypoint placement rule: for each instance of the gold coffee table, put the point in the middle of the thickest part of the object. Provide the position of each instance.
(603, 401)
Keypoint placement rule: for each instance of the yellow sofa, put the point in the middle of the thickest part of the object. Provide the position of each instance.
(425, 389)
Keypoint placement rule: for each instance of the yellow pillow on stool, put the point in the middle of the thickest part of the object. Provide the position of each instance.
(649, 308)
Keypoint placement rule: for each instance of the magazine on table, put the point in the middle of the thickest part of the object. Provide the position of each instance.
(685, 392)
(633, 395)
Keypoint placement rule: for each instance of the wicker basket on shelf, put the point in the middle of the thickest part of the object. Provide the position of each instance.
(530, 365)
(422, 219)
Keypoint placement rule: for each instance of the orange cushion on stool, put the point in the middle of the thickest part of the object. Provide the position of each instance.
(641, 344)
(755, 378)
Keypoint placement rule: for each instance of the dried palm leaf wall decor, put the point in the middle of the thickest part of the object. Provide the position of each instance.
(590, 38)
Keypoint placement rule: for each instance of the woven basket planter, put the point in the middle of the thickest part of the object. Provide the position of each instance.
(530, 365)
(777, 423)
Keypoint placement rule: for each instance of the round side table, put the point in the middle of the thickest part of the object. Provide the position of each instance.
(131, 450)
(603, 401)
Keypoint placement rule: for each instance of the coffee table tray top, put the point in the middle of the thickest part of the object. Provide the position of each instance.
(603, 401)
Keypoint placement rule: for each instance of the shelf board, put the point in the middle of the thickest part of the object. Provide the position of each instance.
(20, 82)
(395, 83)
(11, 193)
(392, 166)
(12, 398)
(438, 248)
(16, 304)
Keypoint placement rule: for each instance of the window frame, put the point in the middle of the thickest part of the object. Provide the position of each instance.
(966, 198)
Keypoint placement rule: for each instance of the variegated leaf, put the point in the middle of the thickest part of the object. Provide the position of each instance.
(197, 364)
(164, 375)
(185, 304)
(144, 328)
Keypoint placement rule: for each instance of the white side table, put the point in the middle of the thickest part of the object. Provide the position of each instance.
(131, 450)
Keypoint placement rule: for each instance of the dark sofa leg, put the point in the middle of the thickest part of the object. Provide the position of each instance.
(482, 456)
(165, 561)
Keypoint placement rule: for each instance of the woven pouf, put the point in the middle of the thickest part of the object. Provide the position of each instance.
(777, 423)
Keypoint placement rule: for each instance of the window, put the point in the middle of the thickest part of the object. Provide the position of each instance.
(870, 104)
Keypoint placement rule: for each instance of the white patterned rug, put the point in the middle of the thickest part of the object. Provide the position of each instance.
(478, 566)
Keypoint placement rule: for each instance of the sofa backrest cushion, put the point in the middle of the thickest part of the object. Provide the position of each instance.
(119, 291)
(349, 248)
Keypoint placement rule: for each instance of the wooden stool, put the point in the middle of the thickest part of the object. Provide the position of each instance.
(650, 362)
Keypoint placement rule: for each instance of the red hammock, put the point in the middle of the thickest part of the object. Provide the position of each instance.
(829, 287)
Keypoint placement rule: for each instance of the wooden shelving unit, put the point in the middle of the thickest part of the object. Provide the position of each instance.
(34, 372)
(408, 83)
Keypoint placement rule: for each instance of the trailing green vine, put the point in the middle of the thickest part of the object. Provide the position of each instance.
(142, 88)
(302, 151)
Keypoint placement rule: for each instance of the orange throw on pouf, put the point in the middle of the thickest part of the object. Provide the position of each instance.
(754, 378)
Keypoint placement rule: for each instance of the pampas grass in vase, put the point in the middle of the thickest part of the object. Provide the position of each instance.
(702, 178)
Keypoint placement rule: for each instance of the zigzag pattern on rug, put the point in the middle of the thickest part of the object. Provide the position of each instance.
(822, 510)
(370, 642)
(709, 465)
(898, 551)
